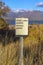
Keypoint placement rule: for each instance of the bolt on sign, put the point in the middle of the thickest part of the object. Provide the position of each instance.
(21, 26)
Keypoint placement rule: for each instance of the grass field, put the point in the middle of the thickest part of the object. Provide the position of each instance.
(32, 48)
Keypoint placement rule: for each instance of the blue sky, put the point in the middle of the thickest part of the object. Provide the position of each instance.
(23, 4)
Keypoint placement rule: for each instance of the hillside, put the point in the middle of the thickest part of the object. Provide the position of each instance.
(32, 15)
(32, 48)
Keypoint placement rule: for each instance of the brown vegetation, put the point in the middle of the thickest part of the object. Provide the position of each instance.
(32, 48)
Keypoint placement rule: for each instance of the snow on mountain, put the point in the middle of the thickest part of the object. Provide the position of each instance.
(31, 14)
(20, 10)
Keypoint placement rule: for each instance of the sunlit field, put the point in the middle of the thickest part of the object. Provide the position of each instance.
(32, 48)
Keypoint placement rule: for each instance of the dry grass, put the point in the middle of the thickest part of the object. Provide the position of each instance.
(32, 47)
(9, 54)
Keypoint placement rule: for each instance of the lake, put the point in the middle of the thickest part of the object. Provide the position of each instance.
(30, 22)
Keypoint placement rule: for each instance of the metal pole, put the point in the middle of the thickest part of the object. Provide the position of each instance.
(21, 51)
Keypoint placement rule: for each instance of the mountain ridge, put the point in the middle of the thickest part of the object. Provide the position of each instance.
(32, 15)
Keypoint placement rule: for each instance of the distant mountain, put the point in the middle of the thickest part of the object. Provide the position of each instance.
(32, 15)
(17, 10)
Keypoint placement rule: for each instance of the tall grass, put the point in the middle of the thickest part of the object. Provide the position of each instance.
(33, 55)
(32, 49)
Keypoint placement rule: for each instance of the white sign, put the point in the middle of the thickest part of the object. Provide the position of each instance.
(21, 26)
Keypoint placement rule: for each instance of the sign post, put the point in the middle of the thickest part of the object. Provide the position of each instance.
(21, 30)
(21, 51)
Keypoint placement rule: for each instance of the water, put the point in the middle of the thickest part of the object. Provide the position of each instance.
(30, 22)
(35, 22)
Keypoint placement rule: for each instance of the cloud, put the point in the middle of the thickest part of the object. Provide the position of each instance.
(40, 4)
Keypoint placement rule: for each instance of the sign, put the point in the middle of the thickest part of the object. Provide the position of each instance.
(21, 26)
